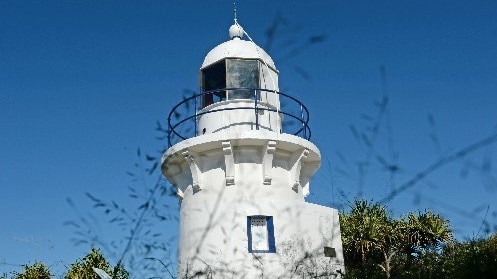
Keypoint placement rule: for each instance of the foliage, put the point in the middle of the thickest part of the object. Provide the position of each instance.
(472, 259)
(142, 240)
(35, 271)
(375, 243)
(412, 247)
(83, 269)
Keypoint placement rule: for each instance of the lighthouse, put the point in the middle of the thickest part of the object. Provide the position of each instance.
(241, 159)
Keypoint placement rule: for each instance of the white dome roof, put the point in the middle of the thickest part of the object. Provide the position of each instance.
(237, 48)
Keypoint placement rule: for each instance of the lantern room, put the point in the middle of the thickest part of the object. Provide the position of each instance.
(237, 64)
(236, 77)
(239, 92)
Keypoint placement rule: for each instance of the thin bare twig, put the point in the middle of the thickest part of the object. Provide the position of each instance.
(439, 164)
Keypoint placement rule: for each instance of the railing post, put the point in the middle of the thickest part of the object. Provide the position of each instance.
(302, 120)
(169, 131)
(256, 111)
(195, 111)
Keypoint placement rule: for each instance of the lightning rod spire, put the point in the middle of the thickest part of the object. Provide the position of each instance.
(234, 12)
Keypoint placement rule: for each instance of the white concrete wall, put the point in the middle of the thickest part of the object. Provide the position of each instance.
(213, 236)
(218, 240)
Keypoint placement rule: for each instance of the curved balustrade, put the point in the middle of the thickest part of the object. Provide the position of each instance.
(182, 120)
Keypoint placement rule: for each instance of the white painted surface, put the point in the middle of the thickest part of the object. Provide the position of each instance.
(238, 116)
(235, 31)
(214, 218)
(237, 48)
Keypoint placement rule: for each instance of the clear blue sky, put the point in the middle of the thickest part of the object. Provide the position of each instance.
(82, 84)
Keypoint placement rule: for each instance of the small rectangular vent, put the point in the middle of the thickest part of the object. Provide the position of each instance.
(330, 252)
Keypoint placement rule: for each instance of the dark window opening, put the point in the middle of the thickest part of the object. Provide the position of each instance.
(214, 78)
(330, 252)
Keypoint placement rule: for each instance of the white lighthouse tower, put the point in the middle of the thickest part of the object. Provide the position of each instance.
(241, 160)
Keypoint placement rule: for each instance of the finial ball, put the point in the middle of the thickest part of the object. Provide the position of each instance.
(236, 31)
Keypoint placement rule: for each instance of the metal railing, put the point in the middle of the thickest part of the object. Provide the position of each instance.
(183, 116)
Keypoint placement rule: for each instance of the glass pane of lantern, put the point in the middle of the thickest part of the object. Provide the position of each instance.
(242, 73)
